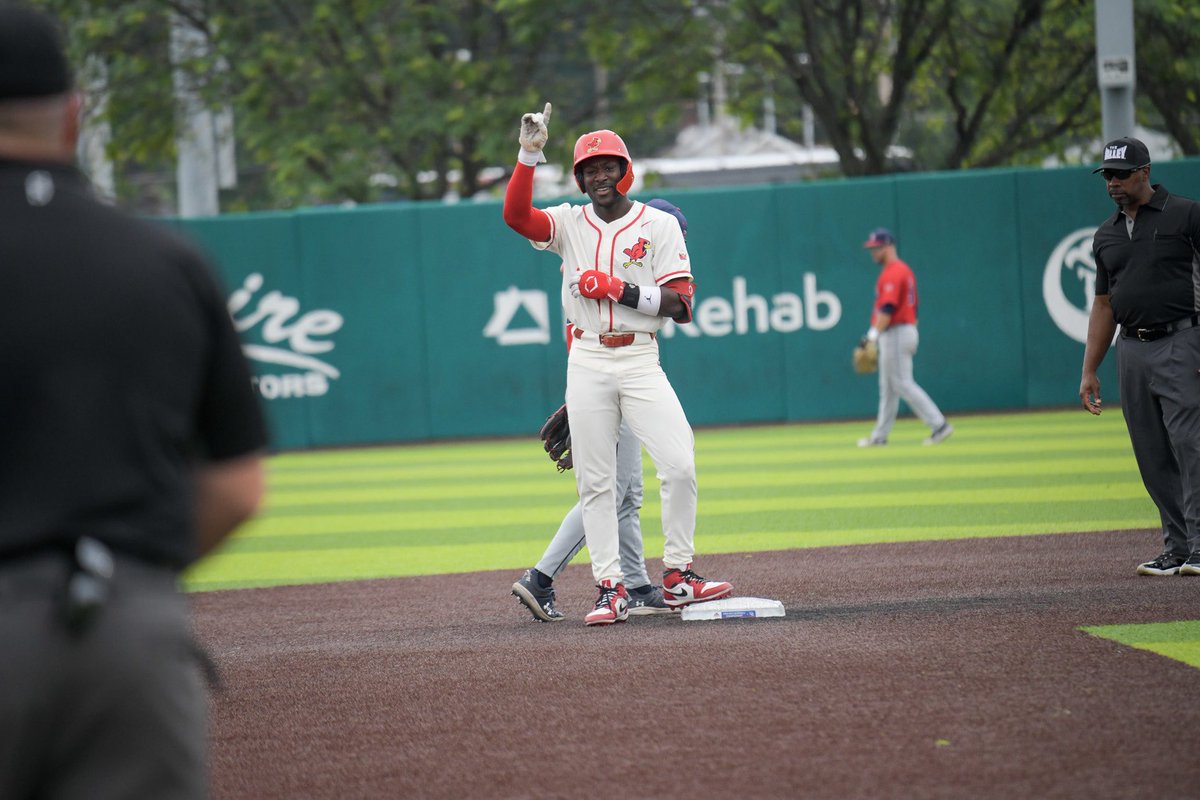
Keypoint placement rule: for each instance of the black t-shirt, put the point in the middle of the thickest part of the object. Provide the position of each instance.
(1153, 277)
(120, 371)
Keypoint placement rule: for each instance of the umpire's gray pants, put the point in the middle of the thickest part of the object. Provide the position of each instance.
(570, 539)
(118, 711)
(897, 346)
(1160, 398)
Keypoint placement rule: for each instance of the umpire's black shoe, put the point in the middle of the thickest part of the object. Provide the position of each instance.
(1191, 566)
(1166, 564)
(539, 601)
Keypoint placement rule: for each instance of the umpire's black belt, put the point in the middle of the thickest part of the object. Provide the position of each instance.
(1153, 334)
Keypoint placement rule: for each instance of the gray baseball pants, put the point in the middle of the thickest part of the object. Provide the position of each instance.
(570, 538)
(1160, 398)
(897, 346)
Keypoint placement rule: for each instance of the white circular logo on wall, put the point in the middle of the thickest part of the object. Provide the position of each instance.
(1072, 262)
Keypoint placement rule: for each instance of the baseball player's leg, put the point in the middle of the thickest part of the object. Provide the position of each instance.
(650, 404)
(629, 508)
(568, 540)
(595, 419)
(906, 387)
(535, 588)
(889, 398)
(1140, 368)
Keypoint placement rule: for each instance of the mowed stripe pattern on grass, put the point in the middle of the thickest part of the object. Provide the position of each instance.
(469, 506)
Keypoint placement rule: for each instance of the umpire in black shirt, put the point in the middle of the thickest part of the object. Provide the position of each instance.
(1148, 282)
(130, 445)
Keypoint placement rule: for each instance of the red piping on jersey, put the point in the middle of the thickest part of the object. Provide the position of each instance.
(612, 252)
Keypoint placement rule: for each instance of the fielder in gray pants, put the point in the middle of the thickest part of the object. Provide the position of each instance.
(535, 588)
(894, 330)
(897, 346)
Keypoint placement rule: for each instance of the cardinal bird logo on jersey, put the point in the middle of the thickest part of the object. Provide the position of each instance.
(636, 253)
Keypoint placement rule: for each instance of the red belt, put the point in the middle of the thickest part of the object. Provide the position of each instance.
(610, 339)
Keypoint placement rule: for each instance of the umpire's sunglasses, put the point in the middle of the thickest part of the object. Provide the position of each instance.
(1119, 174)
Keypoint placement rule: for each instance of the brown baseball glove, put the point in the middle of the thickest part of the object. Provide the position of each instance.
(866, 357)
(556, 439)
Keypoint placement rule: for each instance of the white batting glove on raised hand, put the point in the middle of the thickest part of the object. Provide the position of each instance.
(574, 285)
(534, 135)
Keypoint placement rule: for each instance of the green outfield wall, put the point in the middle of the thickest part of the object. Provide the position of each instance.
(411, 322)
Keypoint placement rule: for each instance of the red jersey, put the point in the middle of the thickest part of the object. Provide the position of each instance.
(897, 286)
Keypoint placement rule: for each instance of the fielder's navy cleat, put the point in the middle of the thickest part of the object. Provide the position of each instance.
(647, 600)
(940, 435)
(539, 601)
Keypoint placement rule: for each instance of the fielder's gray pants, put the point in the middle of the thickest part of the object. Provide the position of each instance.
(1160, 398)
(897, 346)
(570, 539)
(118, 711)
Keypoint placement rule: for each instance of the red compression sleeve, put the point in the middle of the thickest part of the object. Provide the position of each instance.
(519, 213)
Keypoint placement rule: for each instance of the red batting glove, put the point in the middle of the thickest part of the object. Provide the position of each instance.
(597, 285)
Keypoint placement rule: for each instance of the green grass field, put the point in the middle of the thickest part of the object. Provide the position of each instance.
(462, 507)
(1177, 640)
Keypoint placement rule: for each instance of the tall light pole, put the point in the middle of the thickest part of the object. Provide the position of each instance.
(1116, 67)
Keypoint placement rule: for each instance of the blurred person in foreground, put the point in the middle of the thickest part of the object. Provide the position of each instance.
(130, 446)
(1148, 282)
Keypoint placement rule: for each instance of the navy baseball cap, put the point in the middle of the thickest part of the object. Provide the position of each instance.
(673, 210)
(1124, 153)
(879, 237)
(33, 62)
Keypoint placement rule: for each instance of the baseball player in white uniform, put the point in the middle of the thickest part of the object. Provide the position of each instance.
(626, 267)
(535, 589)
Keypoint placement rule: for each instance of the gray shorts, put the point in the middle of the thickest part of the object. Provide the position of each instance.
(116, 711)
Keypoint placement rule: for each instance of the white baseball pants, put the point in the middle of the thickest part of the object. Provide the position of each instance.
(570, 538)
(604, 385)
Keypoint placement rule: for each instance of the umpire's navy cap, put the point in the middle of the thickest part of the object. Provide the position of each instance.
(1124, 153)
(32, 59)
(879, 237)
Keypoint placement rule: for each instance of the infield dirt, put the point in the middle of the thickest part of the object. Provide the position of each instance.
(932, 670)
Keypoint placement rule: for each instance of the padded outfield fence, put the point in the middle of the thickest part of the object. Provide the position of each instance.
(416, 322)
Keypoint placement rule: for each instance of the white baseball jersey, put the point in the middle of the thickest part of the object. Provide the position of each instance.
(645, 247)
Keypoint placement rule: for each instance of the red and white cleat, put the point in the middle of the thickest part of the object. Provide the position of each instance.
(682, 587)
(612, 605)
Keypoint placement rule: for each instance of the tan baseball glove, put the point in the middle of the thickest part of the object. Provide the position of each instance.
(866, 357)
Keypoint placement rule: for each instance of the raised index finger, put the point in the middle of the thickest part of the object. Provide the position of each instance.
(546, 114)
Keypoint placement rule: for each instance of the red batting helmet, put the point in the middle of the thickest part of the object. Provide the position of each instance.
(603, 143)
